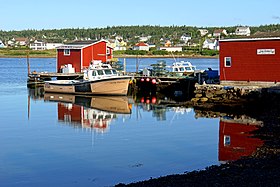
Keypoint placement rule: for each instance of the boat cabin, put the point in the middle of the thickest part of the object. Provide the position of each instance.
(98, 70)
(183, 68)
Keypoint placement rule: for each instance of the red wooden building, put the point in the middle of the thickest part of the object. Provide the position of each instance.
(80, 53)
(250, 61)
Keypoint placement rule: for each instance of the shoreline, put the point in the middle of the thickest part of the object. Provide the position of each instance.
(262, 168)
(122, 56)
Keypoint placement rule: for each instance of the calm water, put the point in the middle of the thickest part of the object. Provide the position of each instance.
(80, 142)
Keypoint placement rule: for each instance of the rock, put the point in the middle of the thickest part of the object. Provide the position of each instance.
(195, 100)
(198, 95)
(203, 99)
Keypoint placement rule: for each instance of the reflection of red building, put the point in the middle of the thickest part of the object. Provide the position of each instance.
(235, 140)
(69, 113)
(84, 117)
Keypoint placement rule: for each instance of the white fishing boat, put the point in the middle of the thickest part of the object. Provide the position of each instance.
(98, 79)
(183, 68)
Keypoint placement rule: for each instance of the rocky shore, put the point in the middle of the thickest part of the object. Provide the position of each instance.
(262, 168)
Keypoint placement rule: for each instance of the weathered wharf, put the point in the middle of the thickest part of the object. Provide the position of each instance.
(37, 79)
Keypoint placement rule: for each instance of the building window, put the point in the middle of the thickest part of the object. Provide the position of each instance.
(66, 52)
(227, 61)
(226, 140)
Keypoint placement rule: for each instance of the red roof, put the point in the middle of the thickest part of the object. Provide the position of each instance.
(141, 44)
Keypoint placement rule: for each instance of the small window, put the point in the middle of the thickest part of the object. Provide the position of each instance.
(226, 140)
(94, 73)
(227, 61)
(100, 72)
(66, 52)
(108, 72)
(114, 72)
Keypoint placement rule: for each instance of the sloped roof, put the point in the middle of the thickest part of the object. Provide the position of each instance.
(142, 44)
(80, 44)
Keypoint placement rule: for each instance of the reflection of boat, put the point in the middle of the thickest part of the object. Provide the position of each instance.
(95, 112)
(99, 79)
(114, 104)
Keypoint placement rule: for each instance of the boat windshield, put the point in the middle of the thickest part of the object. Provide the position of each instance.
(182, 69)
(114, 71)
(108, 72)
(100, 72)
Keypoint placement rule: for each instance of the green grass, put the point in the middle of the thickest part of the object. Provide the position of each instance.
(24, 52)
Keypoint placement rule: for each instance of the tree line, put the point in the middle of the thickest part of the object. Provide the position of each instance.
(128, 33)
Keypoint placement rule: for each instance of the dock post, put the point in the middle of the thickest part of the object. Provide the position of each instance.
(28, 64)
(124, 66)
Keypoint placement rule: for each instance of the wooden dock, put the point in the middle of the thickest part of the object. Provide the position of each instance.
(36, 79)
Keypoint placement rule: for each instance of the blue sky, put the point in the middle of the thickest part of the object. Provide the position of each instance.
(57, 14)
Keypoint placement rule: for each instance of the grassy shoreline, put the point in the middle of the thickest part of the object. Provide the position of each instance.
(23, 53)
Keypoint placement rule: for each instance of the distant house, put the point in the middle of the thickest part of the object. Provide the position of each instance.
(119, 44)
(211, 44)
(38, 45)
(21, 41)
(144, 38)
(53, 45)
(243, 31)
(185, 38)
(171, 49)
(203, 32)
(141, 46)
(219, 32)
(1, 44)
(81, 53)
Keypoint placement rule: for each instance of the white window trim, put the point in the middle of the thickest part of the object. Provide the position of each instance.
(66, 54)
(225, 61)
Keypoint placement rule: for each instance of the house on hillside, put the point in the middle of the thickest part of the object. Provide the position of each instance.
(141, 46)
(219, 32)
(2, 44)
(185, 38)
(38, 45)
(203, 32)
(211, 44)
(20, 41)
(53, 45)
(170, 49)
(80, 53)
(250, 61)
(243, 31)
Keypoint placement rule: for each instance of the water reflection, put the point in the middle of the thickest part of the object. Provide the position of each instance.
(194, 140)
(236, 137)
(95, 112)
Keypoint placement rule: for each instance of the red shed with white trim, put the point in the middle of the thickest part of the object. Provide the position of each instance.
(80, 53)
(250, 61)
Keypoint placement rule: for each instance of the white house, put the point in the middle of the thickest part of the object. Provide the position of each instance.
(170, 49)
(1, 44)
(141, 46)
(20, 41)
(210, 44)
(185, 38)
(243, 31)
(219, 32)
(38, 45)
(144, 38)
(203, 32)
(53, 45)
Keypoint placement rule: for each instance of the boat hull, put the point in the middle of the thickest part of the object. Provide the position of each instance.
(109, 86)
